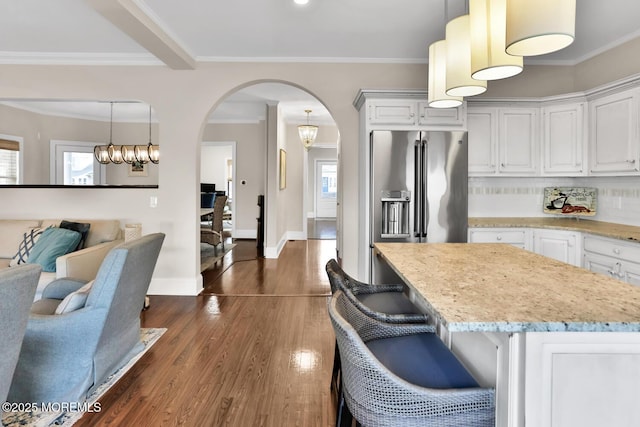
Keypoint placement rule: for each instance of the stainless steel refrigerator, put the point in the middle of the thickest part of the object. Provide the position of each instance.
(418, 189)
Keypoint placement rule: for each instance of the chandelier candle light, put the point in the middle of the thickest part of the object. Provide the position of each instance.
(307, 133)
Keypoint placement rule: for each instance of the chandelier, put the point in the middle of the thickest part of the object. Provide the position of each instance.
(128, 154)
(489, 43)
(307, 133)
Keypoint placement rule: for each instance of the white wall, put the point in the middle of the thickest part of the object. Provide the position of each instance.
(183, 100)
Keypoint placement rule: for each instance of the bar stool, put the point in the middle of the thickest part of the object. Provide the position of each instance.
(403, 375)
(387, 303)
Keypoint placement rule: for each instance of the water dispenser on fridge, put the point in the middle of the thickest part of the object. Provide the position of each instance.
(395, 214)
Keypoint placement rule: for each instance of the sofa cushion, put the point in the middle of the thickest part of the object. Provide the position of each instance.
(80, 227)
(11, 233)
(75, 300)
(24, 249)
(101, 230)
(53, 242)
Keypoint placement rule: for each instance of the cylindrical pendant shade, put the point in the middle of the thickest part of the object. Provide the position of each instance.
(437, 78)
(459, 80)
(536, 27)
(489, 60)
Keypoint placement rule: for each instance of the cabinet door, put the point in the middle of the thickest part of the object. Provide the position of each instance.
(482, 137)
(392, 112)
(559, 245)
(631, 273)
(449, 117)
(613, 134)
(603, 265)
(563, 140)
(518, 141)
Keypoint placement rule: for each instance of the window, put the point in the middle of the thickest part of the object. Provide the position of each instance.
(9, 162)
(73, 163)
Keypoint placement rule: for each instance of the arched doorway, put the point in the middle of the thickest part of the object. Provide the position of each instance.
(261, 119)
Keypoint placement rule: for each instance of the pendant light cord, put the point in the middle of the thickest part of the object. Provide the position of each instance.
(111, 125)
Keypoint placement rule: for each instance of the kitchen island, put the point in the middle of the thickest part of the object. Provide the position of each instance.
(560, 344)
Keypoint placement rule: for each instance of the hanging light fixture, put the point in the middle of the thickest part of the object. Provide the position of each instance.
(488, 27)
(537, 27)
(108, 153)
(307, 133)
(436, 95)
(150, 152)
(459, 80)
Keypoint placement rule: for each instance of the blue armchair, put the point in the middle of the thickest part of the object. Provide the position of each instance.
(64, 356)
(17, 289)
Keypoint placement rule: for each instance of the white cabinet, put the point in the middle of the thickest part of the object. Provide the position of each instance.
(410, 113)
(614, 258)
(503, 141)
(613, 134)
(563, 140)
(557, 244)
(519, 237)
(482, 125)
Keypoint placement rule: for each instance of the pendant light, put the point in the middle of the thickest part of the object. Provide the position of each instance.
(436, 95)
(108, 153)
(307, 133)
(459, 80)
(537, 27)
(150, 152)
(488, 28)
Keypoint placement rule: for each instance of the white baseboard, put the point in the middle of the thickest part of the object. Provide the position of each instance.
(296, 235)
(311, 214)
(185, 286)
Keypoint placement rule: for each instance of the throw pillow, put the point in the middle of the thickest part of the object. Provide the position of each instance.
(53, 242)
(24, 249)
(75, 300)
(80, 227)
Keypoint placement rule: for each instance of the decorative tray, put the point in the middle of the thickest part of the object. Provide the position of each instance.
(570, 201)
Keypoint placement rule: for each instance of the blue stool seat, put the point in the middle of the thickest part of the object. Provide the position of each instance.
(423, 360)
(389, 303)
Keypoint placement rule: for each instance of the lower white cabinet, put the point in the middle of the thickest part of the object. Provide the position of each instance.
(557, 244)
(614, 258)
(519, 237)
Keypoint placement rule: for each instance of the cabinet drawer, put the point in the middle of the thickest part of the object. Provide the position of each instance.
(612, 248)
(502, 236)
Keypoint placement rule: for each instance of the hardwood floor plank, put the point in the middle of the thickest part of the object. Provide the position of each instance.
(261, 356)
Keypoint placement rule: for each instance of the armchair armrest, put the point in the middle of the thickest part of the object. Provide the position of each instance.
(84, 264)
(60, 288)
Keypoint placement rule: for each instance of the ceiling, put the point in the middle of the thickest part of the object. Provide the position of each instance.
(183, 33)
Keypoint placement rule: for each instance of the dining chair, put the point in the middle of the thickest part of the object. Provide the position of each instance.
(214, 235)
(403, 374)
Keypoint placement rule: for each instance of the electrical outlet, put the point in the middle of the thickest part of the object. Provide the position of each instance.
(153, 201)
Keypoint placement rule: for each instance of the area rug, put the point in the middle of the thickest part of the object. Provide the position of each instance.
(209, 256)
(149, 337)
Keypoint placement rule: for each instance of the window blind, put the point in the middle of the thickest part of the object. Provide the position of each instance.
(9, 151)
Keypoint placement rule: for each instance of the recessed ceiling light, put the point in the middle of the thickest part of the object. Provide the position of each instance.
(301, 1)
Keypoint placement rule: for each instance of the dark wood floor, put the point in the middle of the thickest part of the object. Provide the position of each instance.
(256, 349)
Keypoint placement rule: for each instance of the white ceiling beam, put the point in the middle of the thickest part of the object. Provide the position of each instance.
(135, 19)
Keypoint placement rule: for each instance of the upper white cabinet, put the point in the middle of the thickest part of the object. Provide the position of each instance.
(503, 141)
(563, 140)
(411, 113)
(613, 134)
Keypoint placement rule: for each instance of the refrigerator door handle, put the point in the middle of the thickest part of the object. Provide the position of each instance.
(424, 215)
(417, 212)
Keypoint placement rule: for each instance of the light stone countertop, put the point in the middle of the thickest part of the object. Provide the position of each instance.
(605, 229)
(494, 287)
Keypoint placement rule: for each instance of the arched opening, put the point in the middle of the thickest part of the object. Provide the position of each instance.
(258, 126)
